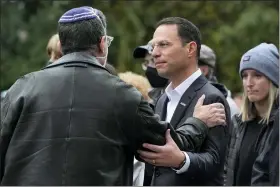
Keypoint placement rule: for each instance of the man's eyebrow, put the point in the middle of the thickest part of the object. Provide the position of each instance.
(159, 41)
(163, 40)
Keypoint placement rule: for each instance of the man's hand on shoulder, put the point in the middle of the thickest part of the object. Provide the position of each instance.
(168, 155)
(212, 114)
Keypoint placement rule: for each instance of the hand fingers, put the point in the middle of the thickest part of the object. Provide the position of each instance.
(217, 105)
(150, 161)
(217, 111)
(217, 121)
(220, 117)
(152, 147)
(154, 162)
(200, 101)
(148, 155)
(221, 122)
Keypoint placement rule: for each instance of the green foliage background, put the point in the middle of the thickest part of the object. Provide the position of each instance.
(229, 27)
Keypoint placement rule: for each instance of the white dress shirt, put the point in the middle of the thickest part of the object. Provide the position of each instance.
(174, 95)
(138, 173)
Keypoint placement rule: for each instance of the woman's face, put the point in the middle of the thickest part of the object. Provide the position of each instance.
(256, 85)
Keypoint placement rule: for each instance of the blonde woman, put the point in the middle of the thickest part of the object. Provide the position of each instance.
(138, 81)
(259, 70)
(54, 49)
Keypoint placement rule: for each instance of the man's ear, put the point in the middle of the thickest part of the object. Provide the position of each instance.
(102, 44)
(192, 49)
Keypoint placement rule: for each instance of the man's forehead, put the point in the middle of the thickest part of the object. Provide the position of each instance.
(165, 33)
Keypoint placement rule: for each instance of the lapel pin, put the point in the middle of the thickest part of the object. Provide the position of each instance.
(182, 104)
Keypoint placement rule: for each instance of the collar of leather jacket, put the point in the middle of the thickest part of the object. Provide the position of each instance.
(77, 58)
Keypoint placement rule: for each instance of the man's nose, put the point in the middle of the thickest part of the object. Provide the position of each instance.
(155, 52)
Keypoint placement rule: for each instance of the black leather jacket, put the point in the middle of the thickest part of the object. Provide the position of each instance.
(73, 123)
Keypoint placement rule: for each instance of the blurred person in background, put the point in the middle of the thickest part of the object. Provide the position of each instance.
(157, 82)
(207, 64)
(143, 86)
(138, 81)
(259, 70)
(238, 99)
(85, 125)
(54, 49)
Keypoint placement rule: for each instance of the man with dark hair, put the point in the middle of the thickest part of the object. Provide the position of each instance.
(176, 47)
(73, 123)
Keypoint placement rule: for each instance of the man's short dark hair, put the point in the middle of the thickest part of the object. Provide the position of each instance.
(83, 35)
(187, 31)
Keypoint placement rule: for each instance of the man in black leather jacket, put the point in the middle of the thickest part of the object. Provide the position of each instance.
(73, 123)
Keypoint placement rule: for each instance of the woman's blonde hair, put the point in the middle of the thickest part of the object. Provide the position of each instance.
(53, 47)
(140, 82)
(248, 110)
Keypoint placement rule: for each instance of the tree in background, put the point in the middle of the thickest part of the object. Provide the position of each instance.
(229, 27)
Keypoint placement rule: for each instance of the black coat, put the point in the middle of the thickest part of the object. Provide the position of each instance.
(73, 123)
(237, 135)
(266, 167)
(206, 163)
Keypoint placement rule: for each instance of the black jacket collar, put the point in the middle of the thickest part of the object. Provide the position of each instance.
(77, 57)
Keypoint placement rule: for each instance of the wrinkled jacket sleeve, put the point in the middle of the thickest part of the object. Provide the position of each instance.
(266, 167)
(260, 173)
(140, 124)
(138, 173)
(10, 111)
(210, 159)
